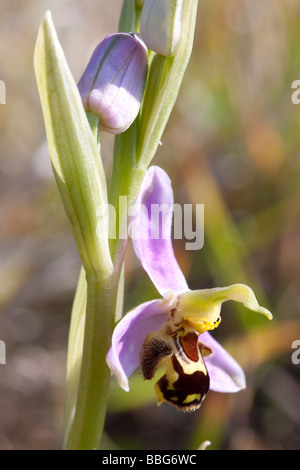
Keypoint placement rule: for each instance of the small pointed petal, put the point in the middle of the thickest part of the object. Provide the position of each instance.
(151, 232)
(226, 375)
(201, 308)
(123, 358)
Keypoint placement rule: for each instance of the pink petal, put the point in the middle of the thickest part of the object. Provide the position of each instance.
(151, 234)
(129, 334)
(226, 375)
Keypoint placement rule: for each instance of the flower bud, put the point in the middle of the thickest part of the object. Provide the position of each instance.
(113, 83)
(161, 25)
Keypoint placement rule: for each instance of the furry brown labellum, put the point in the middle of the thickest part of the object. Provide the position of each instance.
(185, 382)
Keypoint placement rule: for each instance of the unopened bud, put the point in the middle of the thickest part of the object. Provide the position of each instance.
(161, 25)
(113, 83)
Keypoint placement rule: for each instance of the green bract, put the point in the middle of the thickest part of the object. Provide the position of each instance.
(73, 150)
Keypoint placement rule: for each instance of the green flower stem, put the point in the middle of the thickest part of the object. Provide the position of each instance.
(130, 17)
(78, 398)
(127, 17)
(74, 152)
(77, 325)
(94, 125)
(138, 12)
(75, 355)
(165, 78)
(126, 181)
(135, 148)
(87, 426)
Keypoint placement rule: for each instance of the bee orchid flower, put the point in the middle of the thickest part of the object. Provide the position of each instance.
(173, 331)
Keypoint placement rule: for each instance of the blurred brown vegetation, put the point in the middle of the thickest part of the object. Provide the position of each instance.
(232, 143)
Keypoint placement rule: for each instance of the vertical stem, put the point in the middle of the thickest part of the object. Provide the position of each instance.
(102, 294)
(130, 166)
(87, 427)
(126, 181)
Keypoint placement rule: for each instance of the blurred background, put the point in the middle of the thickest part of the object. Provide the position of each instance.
(232, 144)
